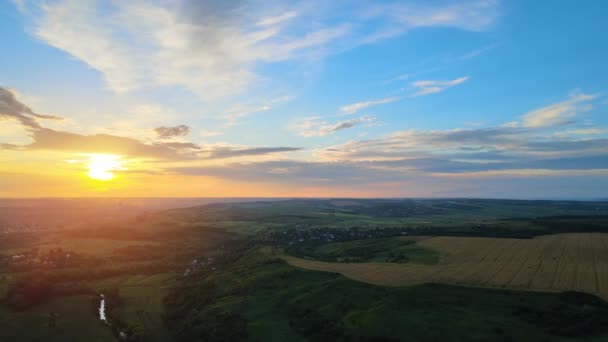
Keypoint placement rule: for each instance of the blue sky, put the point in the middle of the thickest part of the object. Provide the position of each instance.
(354, 98)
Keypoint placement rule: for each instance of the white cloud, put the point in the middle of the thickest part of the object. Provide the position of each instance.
(558, 113)
(470, 15)
(581, 132)
(20, 4)
(206, 133)
(212, 48)
(477, 52)
(77, 28)
(210, 51)
(237, 111)
(527, 138)
(278, 19)
(316, 127)
(427, 87)
(355, 107)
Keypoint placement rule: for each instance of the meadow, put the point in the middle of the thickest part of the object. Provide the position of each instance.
(561, 262)
(308, 270)
(259, 297)
(395, 250)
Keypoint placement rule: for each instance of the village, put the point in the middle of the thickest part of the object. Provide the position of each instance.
(53, 258)
(294, 237)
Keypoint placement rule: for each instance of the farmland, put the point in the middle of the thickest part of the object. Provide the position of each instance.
(261, 298)
(307, 270)
(381, 249)
(561, 262)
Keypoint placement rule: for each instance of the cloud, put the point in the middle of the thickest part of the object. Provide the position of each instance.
(480, 51)
(230, 152)
(427, 87)
(517, 145)
(301, 173)
(316, 127)
(11, 108)
(581, 132)
(238, 111)
(165, 132)
(423, 173)
(208, 47)
(213, 48)
(483, 145)
(278, 19)
(52, 140)
(11, 147)
(355, 107)
(48, 139)
(399, 17)
(179, 145)
(206, 133)
(558, 113)
(358, 179)
(45, 139)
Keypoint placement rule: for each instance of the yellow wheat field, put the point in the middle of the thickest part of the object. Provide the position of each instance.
(577, 261)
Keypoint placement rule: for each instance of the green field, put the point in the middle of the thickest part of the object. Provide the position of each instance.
(263, 299)
(398, 250)
(239, 289)
(450, 215)
(143, 296)
(76, 320)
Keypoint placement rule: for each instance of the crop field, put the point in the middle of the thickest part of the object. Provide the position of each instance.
(574, 261)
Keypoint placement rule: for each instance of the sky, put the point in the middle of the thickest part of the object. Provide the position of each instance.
(210, 98)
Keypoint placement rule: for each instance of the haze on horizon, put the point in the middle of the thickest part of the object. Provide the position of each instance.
(479, 98)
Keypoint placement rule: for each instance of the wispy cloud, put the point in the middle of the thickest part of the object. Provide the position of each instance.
(12, 108)
(528, 145)
(403, 16)
(224, 152)
(46, 139)
(165, 132)
(207, 133)
(478, 52)
(213, 48)
(277, 19)
(52, 140)
(581, 132)
(353, 108)
(208, 47)
(316, 127)
(426, 87)
(235, 112)
(559, 113)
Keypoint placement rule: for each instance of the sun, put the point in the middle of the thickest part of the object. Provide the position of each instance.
(101, 166)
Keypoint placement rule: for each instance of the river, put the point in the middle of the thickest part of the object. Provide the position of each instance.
(102, 309)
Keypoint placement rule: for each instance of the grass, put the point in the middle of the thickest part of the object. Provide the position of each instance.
(458, 215)
(269, 300)
(376, 250)
(561, 262)
(277, 302)
(76, 321)
(77, 317)
(143, 297)
(93, 246)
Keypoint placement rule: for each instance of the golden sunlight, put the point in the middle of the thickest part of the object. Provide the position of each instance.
(101, 166)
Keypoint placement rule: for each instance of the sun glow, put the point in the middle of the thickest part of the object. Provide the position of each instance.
(101, 166)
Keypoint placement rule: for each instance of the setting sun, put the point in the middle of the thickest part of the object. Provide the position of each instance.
(101, 166)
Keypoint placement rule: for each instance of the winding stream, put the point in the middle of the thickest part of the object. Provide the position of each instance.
(102, 309)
